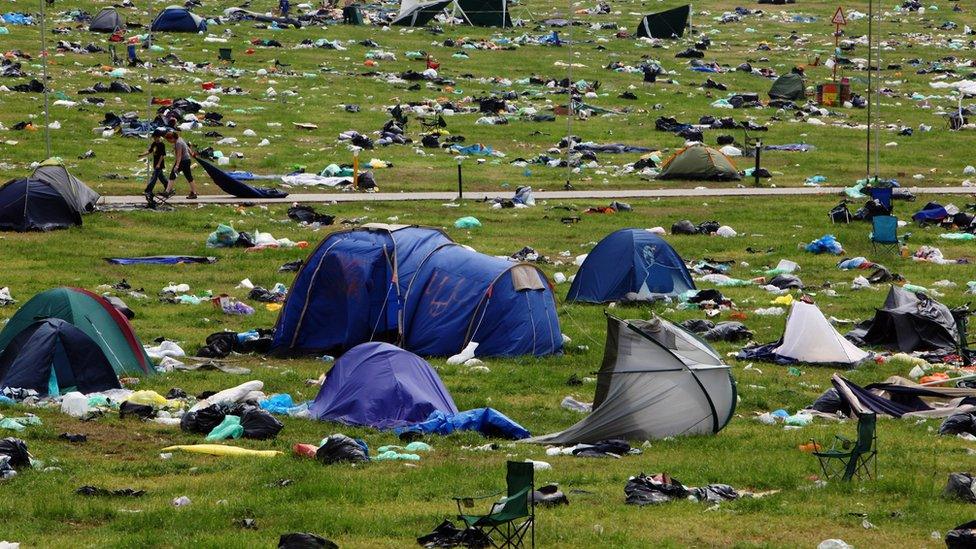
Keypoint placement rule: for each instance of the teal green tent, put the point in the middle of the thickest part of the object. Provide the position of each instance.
(93, 315)
(789, 86)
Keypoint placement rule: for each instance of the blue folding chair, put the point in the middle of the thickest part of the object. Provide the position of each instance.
(884, 233)
(882, 195)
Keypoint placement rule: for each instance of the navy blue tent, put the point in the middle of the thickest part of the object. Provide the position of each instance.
(632, 264)
(178, 19)
(235, 187)
(460, 296)
(32, 205)
(382, 386)
(52, 356)
(416, 286)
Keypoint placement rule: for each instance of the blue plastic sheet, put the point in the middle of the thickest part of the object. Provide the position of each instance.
(487, 421)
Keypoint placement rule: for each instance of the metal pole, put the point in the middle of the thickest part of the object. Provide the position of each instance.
(755, 173)
(867, 152)
(149, 100)
(47, 85)
(877, 107)
(460, 181)
(569, 91)
(355, 168)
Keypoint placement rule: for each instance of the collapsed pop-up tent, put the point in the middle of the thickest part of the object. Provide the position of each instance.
(909, 322)
(478, 13)
(94, 316)
(665, 24)
(630, 264)
(382, 386)
(657, 380)
(416, 286)
(236, 187)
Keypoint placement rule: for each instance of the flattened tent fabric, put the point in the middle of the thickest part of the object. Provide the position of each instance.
(382, 386)
(657, 380)
(53, 357)
(909, 322)
(665, 24)
(107, 20)
(789, 86)
(487, 421)
(417, 14)
(413, 284)
(630, 264)
(30, 205)
(240, 14)
(161, 260)
(809, 337)
(91, 314)
(699, 163)
(236, 187)
(485, 13)
(459, 296)
(900, 398)
(80, 196)
(178, 19)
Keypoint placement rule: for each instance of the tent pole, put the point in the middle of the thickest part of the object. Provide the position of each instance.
(569, 93)
(867, 174)
(877, 107)
(47, 85)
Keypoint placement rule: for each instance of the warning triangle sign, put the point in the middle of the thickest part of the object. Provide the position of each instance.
(839, 18)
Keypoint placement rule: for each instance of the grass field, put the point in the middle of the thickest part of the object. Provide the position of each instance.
(387, 504)
(324, 80)
(390, 504)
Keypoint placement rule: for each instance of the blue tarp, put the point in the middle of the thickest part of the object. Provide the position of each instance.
(632, 261)
(932, 212)
(160, 260)
(415, 284)
(236, 187)
(382, 386)
(487, 421)
(52, 355)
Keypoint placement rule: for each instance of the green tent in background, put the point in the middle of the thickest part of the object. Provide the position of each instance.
(789, 86)
(698, 162)
(665, 24)
(93, 315)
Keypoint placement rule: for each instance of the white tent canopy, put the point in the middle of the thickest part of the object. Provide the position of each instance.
(657, 380)
(809, 337)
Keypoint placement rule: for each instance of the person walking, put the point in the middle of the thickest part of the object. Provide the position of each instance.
(181, 164)
(157, 150)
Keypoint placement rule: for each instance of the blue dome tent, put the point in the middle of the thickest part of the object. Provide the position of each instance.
(178, 19)
(630, 264)
(416, 286)
(382, 386)
(52, 357)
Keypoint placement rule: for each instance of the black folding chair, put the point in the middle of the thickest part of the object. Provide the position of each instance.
(433, 124)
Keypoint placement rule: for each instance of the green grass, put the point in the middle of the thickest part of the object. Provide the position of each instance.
(388, 504)
(937, 155)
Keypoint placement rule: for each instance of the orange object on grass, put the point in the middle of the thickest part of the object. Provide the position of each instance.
(932, 378)
(810, 447)
(304, 450)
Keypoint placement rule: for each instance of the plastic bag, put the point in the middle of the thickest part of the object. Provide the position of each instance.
(467, 223)
(958, 423)
(224, 237)
(259, 424)
(143, 411)
(728, 331)
(340, 448)
(16, 449)
(203, 420)
(960, 486)
(304, 540)
(230, 427)
(962, 536)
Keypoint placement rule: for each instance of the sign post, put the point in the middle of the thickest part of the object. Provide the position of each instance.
(839, 20)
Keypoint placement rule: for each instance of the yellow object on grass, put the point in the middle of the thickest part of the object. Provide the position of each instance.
(152, 398)
(222, 450)
(783, 300)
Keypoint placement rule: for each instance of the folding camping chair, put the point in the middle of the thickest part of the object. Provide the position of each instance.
(504, 520)
(884, 233)
(114, 55)
(432, 124)
(852, 458)
(225, 55)
(961, 316)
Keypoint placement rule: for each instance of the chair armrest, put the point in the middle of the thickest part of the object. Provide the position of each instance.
(493, 494)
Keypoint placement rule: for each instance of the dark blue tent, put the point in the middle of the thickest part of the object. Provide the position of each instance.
(416, 286)
(32, 205)
(382, 386)
(52, 356)
(460, 296)
(235, 187)
(178, 19)
(630, 261)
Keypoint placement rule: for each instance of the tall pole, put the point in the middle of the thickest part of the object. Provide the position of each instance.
(867, 152)
(47, 85)
(569, 91)
(877, 106)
